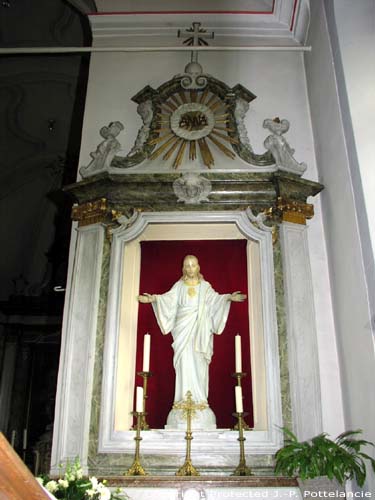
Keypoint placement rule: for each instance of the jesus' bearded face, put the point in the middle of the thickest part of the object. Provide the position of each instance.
(191, 267)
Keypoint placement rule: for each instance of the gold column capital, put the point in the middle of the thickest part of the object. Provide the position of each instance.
(294, 211)
(91, 212)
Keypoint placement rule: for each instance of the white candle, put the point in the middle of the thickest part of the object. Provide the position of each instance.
(24, 439)
(146, 352)
(238, 394)
(13, 438)
(139, 400)
(237, 342)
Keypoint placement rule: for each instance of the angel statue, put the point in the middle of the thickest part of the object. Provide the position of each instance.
(106, 150)
(279, 146)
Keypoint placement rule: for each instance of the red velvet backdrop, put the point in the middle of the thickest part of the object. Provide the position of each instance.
(224, 264)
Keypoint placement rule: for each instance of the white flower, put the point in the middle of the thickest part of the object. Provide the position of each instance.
(90, 493)
(77, 469)
(104, 492)
(70, 476)
(94, 482)
(51, 486)
(40, 480)
(63, 483)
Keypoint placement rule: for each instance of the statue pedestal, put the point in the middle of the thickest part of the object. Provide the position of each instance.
(203, 420)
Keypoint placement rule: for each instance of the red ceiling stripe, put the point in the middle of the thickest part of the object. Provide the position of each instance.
(293, 15)
(127, 13)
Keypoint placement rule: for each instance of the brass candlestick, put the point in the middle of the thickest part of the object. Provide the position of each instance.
(188, 407)
(145, 376)
(136, 469)
(242, 469)
(239, 376)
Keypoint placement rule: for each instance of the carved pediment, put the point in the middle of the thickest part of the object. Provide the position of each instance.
(192, 117)
(189, 123)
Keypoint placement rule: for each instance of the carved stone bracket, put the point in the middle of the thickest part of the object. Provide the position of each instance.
(260, 220)
(127, 220)
(121, 220)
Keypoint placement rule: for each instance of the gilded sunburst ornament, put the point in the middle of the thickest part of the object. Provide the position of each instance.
(190, 123)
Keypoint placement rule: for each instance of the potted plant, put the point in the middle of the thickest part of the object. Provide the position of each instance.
(338, 460)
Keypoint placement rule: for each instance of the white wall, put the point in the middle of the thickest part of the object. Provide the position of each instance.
(352, 35)
(355, 28)
(343, 223)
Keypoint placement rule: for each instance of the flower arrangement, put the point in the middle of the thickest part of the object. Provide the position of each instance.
(72, 485)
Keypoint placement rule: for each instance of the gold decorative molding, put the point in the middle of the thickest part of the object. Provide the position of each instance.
(275, 234)
(91, 212)
(294, 211)
(260, 219)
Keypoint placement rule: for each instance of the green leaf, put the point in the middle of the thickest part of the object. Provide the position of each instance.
(341, 458)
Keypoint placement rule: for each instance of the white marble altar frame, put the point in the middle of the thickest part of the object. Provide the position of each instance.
(75, 380)
(303, 356)
(120, 338)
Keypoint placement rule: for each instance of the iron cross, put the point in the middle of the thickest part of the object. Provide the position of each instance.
(195, 36)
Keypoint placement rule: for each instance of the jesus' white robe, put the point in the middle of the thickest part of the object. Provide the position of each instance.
(192, 314)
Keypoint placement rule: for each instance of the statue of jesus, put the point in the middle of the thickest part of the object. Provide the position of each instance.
(192, 311)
